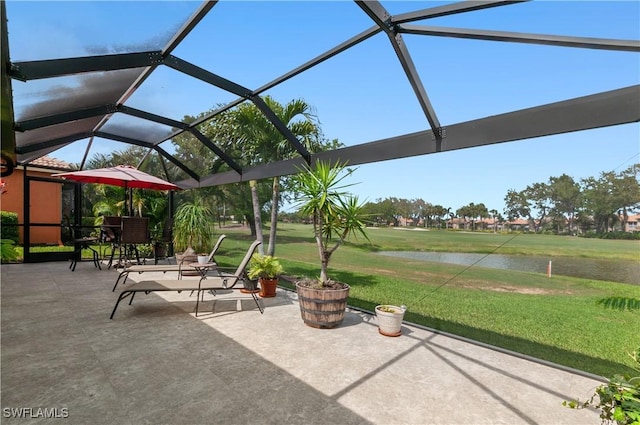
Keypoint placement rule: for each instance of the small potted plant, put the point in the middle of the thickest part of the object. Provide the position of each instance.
(266, 269)
(389, 319)
(203, 258)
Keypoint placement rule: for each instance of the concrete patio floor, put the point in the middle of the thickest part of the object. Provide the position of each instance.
(156, 363)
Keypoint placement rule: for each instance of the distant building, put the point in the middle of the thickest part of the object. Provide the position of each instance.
(633, 223)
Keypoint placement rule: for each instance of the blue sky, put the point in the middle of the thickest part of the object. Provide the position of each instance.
(363, 95)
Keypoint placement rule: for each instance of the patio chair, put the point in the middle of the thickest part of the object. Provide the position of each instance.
(162, 245)
(179, 268)
(211, 283)
(81, 243)
(135, 231)
(110, 234)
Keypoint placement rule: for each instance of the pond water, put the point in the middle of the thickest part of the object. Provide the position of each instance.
(586, 268)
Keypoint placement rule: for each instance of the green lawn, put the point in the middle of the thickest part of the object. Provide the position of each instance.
(554, 319)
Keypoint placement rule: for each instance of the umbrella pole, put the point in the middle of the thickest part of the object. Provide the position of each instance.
(126, 201)
(129, 194)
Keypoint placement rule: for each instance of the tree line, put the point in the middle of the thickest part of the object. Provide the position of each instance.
(561, 205)
(564, 205)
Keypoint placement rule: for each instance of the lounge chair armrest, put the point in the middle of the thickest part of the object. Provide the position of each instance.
(225, 268)
(222, 273)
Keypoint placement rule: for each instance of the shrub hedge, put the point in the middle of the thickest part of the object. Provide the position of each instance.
(9, 225)
(615, 235)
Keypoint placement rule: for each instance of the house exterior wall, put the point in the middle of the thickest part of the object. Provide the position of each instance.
(632, 223)
(45, 204)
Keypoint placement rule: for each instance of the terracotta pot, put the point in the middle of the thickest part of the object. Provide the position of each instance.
(268, 287)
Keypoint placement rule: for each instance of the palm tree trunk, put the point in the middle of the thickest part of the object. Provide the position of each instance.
(256, 214)
(324, 265)
(251, 223)
(274, 216)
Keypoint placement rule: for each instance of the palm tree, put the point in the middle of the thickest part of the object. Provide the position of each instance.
(257, 216)
(265, 144)
(494, 215)
(335, 213)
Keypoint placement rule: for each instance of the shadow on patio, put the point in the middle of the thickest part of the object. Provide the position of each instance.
(157, 363)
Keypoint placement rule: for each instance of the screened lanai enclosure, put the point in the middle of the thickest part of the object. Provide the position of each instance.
(128, 72)
(410, 78)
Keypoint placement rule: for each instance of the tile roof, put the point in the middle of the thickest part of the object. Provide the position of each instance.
(49, 162)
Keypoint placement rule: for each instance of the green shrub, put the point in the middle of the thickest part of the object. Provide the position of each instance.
(7, 251)
(618, 400)
(621, 235)
(9, 225)
(614, 235)
(87, 222)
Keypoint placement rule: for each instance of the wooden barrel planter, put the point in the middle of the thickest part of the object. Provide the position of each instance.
(322, 308)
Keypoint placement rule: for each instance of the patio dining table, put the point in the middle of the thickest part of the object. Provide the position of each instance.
(81, 243)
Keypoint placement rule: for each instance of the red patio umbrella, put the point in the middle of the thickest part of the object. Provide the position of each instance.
(121, 175)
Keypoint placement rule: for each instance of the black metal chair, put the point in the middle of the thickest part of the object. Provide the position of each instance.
(162, 245)
(80, 243)
(135, 230)
(110, 234)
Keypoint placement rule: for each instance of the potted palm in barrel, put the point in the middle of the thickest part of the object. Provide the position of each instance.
(336, 215)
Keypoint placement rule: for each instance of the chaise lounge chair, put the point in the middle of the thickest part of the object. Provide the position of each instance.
(210, 283)
(163, 267)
